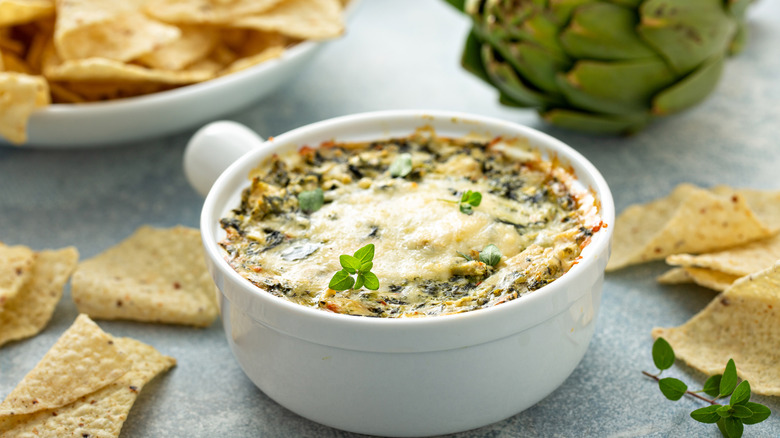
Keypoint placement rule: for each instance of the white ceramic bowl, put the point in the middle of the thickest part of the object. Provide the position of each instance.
(120, 121)
(400, 377)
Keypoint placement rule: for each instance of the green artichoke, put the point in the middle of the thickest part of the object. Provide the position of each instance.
(606, 66)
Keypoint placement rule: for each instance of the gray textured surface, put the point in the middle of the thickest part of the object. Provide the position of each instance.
(404, 54)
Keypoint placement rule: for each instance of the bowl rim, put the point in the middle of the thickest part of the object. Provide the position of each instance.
(299, 321)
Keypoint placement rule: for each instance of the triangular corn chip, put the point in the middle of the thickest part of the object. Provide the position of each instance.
(739, 261)
(116, 30)
(742, 323)
(101, 413)
(690, 220)
(764, 203)
(304, 19)
(16, 263)
(20, 95)
(28, 312)
(156, 275)
(709, 278)
(83, 360)
(205, 11)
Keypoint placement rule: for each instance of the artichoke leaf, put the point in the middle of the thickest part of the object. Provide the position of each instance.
(604, 31)
(504, 77)
(686, 33)
(596, 123)
(471, 59)
(562, 9)
(615, 87)
(535, 65)
(691, 90)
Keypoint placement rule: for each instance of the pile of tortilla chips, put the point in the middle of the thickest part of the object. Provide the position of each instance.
(31, 285)
(67, 51)
(155, 275)
(727, 240)
(742, 323)
(84, 386)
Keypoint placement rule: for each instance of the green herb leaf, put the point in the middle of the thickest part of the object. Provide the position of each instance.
(372, 282)
(365, 254)
(491, 255)
(471, 198)
(740, 411)
(341, 281)
(741, 395)
(349, 263)
(359, 280)
(729, 380)
(712, 385)
(311, 200)
(724, 411)
(707, 414)
(365, 267)
(672, 388)
(663, 355)
(731, 427)
(466, 209)
(401, 166)
(760, 413)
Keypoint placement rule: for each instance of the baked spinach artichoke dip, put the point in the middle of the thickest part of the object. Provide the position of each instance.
(415, 226)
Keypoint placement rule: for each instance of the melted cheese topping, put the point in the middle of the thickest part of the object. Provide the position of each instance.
(423, 242)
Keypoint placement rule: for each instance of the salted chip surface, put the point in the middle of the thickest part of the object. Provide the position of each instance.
(689, 220)
(101, 413)
(108, 70)
(20, 95)
(709, 278)
(764, 203)
(16, 264)
(28, 312)
(116, 30)
(742, 323)
(156, 275)
(304, 19)
(83, 360)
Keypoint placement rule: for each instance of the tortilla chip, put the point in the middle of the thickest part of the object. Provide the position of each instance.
(116, 30)
(205, 11)
(742, 323)
(28, 312)
(249, 61)
(16, 264)
(106, 70)
(100, 413)
(14, 12)
(708, 278)
(83, 360)
(738, 261)
(690, 220)
(194, 44)
(20, 95)
(764, 203)
(304, 19)
(156, 275)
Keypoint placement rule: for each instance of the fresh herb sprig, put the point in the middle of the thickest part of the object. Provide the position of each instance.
(359, 265)
(731, 417)
(490, 255)
(468, 200)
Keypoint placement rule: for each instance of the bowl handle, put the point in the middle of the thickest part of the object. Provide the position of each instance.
(212, 149)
